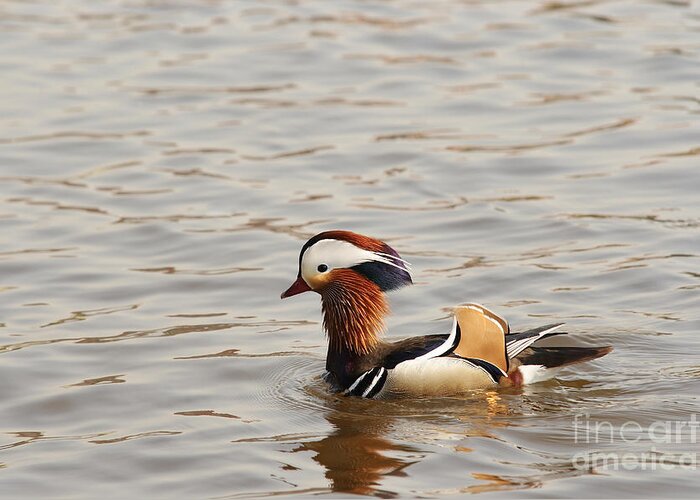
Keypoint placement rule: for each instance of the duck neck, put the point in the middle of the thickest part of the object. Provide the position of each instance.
(353, 316)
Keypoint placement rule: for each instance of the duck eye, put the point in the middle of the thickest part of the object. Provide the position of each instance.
(322, 268)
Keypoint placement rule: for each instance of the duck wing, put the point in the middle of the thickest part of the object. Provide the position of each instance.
(518, 342)
(482, 335)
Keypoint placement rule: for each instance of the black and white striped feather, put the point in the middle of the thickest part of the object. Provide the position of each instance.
(369, 383)
(518, 342)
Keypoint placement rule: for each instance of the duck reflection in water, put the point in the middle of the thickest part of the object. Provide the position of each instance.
(356, 455)
(359, 454)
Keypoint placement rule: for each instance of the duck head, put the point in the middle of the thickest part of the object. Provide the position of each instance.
(351, 273)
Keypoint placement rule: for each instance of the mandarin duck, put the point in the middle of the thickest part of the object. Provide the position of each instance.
(352, 272)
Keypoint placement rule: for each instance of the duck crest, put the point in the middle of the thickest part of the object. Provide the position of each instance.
(354, 308)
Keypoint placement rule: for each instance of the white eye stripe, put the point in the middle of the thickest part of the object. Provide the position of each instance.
(389, 261)
(395, 258)
(342, 254)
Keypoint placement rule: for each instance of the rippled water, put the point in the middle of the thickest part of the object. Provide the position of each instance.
(162, 162)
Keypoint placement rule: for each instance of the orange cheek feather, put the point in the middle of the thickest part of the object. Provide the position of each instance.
(354, 309)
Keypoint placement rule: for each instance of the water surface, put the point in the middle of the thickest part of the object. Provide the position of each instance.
(162, 162)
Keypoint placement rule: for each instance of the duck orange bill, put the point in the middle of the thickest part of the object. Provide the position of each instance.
(299, 286)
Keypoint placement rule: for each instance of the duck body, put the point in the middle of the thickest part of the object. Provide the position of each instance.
(399, 368)
(352, 273)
